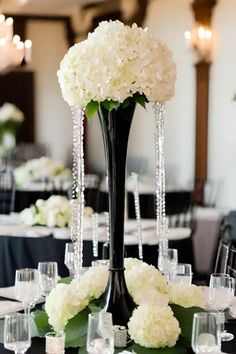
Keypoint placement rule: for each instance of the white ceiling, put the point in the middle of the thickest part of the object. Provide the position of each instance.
(42, 7)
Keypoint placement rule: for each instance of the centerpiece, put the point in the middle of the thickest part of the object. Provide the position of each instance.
(110, 72)
(10, 119)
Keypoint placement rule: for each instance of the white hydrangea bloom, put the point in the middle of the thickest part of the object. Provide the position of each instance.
(39, 170)
(153, 326)
(67, 300)
(122, 61)
(9, 112)
(145, 283)
(63, 303)
(186, 295)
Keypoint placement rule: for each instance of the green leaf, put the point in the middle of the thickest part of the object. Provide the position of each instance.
(91, 108)
(185, 318)
(126, 102)
(110, 104)
(66, 280)
(82, 350)
(141, 99)
(177, 349)
(76, 330)
(41, 322)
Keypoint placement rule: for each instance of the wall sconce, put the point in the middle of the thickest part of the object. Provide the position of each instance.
(200, 39)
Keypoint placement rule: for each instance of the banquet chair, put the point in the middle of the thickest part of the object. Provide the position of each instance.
(231, 272)
(232, 257)
(7, 191)
(222, 256)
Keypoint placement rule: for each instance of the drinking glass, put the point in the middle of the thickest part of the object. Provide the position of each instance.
(206, 333)
(183, 273)
(100, 338)
(55, 343)
(167, 263)
(48, 276)
(221, 293)
(70, 257)
(27, 287)
(17, 336)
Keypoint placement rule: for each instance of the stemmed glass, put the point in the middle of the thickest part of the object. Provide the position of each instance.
(167, 263)
(48, 276)
(100, 338)
(221, 293)
(70, 257)
(183, 273)
(205, 333)
(17, 336)
(27, 287)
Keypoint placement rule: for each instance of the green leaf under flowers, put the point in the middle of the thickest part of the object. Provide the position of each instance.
(177, 349)
(185, 319)
(141, 99)
(91, 108)
(41, 322)
(66, 280)
(76, 330)
(110, 104)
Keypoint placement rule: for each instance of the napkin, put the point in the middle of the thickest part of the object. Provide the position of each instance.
(8, 306)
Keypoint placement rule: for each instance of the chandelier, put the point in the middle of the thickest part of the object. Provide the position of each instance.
(12, 49)
(200, 39)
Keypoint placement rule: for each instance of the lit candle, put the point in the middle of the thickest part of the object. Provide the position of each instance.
(28, 50)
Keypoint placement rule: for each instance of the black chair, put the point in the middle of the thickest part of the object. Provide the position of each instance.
(7, 191)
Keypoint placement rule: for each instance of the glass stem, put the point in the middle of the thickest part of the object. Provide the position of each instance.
(222, 321)
(27, 309)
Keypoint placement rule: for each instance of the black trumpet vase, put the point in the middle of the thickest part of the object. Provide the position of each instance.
(115, 125)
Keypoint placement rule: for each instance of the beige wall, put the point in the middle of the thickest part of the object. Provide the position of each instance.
(167, 19)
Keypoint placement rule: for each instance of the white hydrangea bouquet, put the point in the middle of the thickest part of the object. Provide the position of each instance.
(10, 119)
(162, 317)
(56, 211)
(39, 170)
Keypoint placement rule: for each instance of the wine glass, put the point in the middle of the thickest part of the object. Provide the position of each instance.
(70, 258)
(168, 263)
(183, 273)
(48, 276)
(27, 287)
(100, 338)
(206, 333)
(55, 342)
(17, 336)
(221, 293)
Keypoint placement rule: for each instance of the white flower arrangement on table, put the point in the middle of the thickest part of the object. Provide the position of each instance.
(153, 323)
(10, 118)
(114, 65)
(10, 113)
(41, 169)
(56, 211)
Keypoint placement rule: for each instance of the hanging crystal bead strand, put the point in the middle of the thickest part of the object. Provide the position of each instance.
(95, 234)
(77, 188)
(137, 214)
(161, 223)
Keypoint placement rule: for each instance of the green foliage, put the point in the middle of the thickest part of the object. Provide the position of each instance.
(76, 329)
(93, 106)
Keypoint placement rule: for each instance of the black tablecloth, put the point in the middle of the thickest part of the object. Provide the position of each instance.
(23, 252)
(38, 345)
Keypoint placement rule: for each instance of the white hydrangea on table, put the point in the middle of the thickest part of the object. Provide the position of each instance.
(10, 119)
(40, 170)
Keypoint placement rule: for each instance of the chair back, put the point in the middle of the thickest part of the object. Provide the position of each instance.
(7, 191)
(222, 257)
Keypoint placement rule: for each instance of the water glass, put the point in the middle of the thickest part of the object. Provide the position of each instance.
(183, 273)
(17, 336)
(69, 259)
(100, 337)
(27, 288)
(48, 276)
(221, 293)
(206, 333)
(168, 263)
(55, 343)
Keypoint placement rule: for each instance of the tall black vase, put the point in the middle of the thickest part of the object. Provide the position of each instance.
(115, 127)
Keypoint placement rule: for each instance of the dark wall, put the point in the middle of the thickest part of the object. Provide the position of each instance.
(18, 87)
